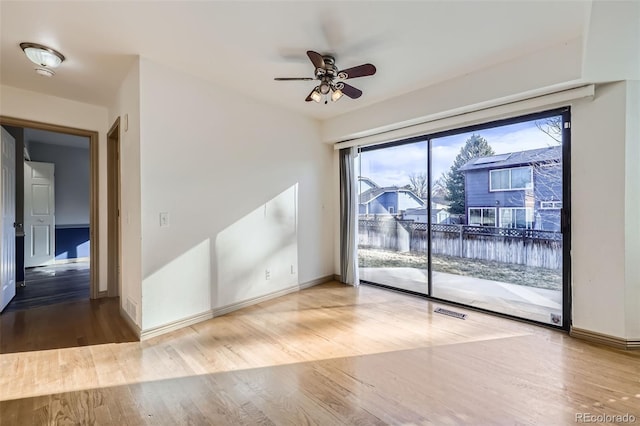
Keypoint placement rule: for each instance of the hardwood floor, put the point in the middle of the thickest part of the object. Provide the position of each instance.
(64, 325)
(328, 355)
(48, 285)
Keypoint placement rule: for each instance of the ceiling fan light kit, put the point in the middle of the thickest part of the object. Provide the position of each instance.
(331, 84)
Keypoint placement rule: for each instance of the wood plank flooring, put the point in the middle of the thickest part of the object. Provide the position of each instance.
(64, 325)
(328, 355)
(48, 285)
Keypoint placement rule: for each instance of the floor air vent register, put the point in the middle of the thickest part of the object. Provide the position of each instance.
(450, 313)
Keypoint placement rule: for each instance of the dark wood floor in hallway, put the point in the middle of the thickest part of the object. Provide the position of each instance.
(63, 325)
(48, 285)
(328, 355)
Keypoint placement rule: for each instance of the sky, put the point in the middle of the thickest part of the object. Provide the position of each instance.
(392, 166)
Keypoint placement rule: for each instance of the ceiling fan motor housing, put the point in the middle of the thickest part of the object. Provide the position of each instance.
(329, 70)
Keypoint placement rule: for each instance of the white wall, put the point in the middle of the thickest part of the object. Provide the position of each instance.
(217, 162)
(72, 177)
(18, 103)
(555, 65)
(127, 107)
(612, 41)
(632, 210)
(598, 211)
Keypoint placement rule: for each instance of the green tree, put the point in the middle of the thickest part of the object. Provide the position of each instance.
(476, 146)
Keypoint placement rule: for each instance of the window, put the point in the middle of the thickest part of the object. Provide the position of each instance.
(516, 217)
(485, 216)
(391, 209)
(511, 179)
(550, 205)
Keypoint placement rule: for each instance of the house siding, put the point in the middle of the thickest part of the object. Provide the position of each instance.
(547, 186)
(478, 195)
(398, 200)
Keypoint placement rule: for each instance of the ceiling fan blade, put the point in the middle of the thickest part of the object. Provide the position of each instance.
(350, 91)
(316, 59)
(293, 78)
(359, 71)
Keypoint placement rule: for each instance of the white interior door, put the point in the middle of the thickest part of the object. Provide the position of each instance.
(7, 219)
(39, 214)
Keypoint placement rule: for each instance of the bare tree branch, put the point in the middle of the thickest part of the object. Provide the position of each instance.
(552, 127)
(419, 184)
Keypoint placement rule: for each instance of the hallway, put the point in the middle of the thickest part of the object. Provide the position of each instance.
(52, 284)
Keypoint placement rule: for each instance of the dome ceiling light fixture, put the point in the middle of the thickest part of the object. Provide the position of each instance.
(44, 57)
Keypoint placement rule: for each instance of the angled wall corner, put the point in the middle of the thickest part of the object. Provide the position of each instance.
(612, 42)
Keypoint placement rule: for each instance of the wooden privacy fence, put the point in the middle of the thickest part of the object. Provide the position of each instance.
(520, 246)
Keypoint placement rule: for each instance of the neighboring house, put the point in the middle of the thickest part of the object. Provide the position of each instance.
(389, 200)
(365, 184)
(439, 213)
(516, 190)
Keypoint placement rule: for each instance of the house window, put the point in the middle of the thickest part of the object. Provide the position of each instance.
(511, 179)
(485, 216)
(516, 217)
(550, 205)
(391, 210)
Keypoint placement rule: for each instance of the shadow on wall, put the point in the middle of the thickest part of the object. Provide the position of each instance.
(258, 254)
(255, 256)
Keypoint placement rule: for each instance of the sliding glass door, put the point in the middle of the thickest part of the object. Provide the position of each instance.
(472, 216)
(392, 218)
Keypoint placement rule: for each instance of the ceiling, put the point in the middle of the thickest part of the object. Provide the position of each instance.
(243, 45)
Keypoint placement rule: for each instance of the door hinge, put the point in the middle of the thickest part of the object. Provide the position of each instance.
(567, 124)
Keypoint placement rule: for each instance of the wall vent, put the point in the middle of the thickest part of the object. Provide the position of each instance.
(132, 309)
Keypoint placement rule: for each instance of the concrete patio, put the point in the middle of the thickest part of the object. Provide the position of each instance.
(522, 301)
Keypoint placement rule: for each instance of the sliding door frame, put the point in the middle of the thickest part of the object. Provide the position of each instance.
(565, 213)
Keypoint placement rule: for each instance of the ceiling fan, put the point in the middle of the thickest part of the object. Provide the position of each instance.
(330, 78)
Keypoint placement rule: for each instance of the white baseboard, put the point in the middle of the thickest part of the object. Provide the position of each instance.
(175, 325)
(255, 300)
(605, 339)
(216, 312)
(132, 325)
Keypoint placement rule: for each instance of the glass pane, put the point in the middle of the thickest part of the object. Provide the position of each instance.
(505, 218)
(393, 245)
(513, 266)
(489, 218)
(475, 216)
(521, 219)
(499, 179)
(521, 178)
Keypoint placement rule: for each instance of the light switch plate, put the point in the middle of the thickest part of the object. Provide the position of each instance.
(164, 219)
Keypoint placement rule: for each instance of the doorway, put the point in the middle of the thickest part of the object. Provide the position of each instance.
(90, 233)
(113, 209)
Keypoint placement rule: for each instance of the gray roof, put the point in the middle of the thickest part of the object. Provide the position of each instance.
(520, 158)
(370, 194)
(368, 181)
